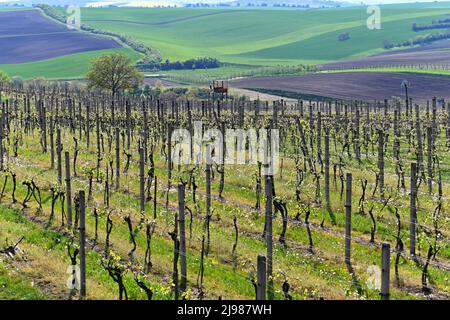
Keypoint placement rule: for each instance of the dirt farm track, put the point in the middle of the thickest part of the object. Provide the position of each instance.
(366, 86)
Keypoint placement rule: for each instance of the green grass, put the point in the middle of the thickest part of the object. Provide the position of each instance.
(16, 287)
(45, 251)
(323, 274)
(263, 37)
(201, 75)
(205, 76)
(243, 37)
(72, 66)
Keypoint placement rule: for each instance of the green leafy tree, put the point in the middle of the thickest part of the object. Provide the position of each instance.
(4, 78)
(113, 72)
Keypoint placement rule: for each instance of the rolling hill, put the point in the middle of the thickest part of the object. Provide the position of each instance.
(264, 37)
(247, 37)
(34, 45)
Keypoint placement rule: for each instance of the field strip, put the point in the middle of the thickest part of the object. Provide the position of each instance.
(35, 34)
(311, 32)
(164, 22)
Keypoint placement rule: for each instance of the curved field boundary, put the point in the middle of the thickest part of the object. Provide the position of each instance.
(33, 34)
(29, 36)
(23, 49)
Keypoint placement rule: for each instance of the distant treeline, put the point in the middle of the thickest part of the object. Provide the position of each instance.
(51, 12)
(441, 21)
(150, 55)
(158, 90)
(440, 24)
(419, 40)
(201, 79)
(191, 64)
(249, 4)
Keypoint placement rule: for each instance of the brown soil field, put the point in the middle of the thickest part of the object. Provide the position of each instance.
(367, 86)
(26, 36)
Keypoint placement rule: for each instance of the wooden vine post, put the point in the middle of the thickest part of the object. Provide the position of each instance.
(169, 161)
(68, 189)
(1, 137)
(419, 143)
(52, 143)
(58, 154)
(99, 153)
(116, 131)
(357, 137)
(327, 171)
(348, 219)
(381, 161)
(430, 158)
(181, 222)
(319, 135)
(145, 131)
(87, 126)
(82, 229)
(413, 210)
(154, 197)
(269, 239)
(396, 146)
(128, 123)
(385, 270)
(141, 180)
(261, 278)
(208, 196)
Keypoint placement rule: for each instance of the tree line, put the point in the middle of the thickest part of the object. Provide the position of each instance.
(191, 64)
(441, 24)
(419, 40)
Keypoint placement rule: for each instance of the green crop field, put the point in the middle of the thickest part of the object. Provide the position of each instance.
(261, 37)
(264, 37)
(73, 66)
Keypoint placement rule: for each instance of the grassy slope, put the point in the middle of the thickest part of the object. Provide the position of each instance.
(263, 37)
(326, 275)
(71, 66)
(16, 287)
(258, 37)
